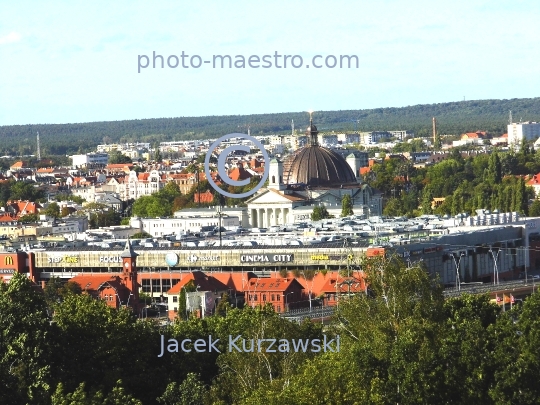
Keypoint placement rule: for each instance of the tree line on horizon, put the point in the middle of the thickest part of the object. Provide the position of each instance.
(452, 118)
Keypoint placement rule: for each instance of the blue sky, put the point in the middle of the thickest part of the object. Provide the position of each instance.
(66, 62)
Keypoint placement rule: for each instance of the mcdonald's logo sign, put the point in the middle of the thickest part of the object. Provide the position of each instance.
(8, 260)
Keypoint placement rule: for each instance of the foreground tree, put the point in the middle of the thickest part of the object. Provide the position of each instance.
(24, 343)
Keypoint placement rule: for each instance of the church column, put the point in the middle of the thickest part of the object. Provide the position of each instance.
(254, 218)
(268, 217)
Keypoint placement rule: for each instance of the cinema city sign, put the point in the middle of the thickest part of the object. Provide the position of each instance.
(266, 258)
(222, 170)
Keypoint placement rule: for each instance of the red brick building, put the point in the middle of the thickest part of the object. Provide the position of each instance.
(282, 293)
(115, 289)
(337, 287)
(108, 287)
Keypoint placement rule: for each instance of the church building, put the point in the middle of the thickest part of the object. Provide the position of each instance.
(313, 175)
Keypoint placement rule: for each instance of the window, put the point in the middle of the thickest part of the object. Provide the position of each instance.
(255, 297)
(278, 297)
(175, 299)
(279, 308)
(264, 297)
(272, 297)
(175, 309)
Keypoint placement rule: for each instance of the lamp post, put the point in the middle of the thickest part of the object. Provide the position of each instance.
(287, 305)
(130, 295)
(458, 281)
(495, 269)
(219, 211)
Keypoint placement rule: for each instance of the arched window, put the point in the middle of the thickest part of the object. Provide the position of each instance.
(273, 179)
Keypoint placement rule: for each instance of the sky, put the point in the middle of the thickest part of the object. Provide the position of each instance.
(66, 62)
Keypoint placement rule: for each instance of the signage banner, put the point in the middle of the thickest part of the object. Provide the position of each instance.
(266, 258)
(63, 259)
(321, 257)
(194, 258)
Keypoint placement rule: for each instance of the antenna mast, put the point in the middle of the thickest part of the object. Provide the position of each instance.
(38, 148)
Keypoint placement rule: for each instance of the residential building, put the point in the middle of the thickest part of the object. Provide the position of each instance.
(518, 132)
(141, 184)
(89, 160)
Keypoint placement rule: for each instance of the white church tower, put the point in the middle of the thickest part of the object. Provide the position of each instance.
(354, 162)
(275, 176)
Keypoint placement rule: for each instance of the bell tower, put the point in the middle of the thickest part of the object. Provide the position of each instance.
(129, 273)
(275, 177)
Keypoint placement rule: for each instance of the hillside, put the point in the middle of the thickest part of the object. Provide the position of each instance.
(453, 118)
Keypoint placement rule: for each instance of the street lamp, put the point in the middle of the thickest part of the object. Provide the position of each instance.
(286, 305)
(130, 295)
(219, 211)
(458, 282)
(495, 269)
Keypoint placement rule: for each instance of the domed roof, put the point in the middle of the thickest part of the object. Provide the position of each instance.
(316, 166)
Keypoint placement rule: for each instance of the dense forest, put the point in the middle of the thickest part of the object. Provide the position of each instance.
(453, 118)
(401, 342)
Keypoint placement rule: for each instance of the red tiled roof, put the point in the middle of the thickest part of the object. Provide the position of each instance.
(18, 165)
(118, 165)
(239, 173)
(203, 281)
(94, 281)
(235, 281)
(276, 284)
(365, 170)
(342, 285)
(206, 197)
(6, 218)
(535, 180)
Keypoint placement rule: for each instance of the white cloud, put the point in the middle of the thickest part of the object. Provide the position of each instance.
(10, 38)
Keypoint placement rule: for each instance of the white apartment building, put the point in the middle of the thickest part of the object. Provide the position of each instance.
(517, 132)
(401, 135)
(368, 138)
(159, 227)
(140, 184)
(118, 186)
(90, 159)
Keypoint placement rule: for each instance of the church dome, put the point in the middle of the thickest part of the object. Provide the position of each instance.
(316, 166)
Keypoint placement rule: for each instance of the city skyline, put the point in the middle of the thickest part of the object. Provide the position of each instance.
(79, 63)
